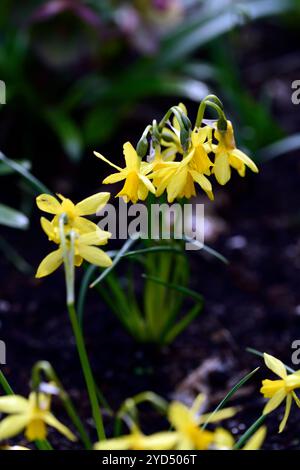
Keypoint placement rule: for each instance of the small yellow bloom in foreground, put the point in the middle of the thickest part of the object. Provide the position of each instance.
(32, 414)
(227, 155)
(186, 422)
(137, 185)
(138, 441)
(74, 212)
(224, 440)
(279, 390)
(84, 249)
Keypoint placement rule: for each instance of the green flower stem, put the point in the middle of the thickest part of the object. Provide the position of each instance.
(216, 104)
(68, 254)
(88, 375)
(250, 431)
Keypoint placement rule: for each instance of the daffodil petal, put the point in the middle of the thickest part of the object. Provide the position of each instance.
(13, 404)
(147, 183)
(50, 263)
(201, 180)
(179, 415)
(12, 426)
(275, 365)
(223, 439)
(92, 204)
(161, 441)
(131, 157)
(94, 256)
(84, 225)
(177, 183)
(119, 443)
(98, 237)
(255, 442)
(220, 415)
(115, 177)
(221, 168)
(50, 419)
(48, 203)
(97, 154)
(275, 401)
(288, 405)
(245, 159)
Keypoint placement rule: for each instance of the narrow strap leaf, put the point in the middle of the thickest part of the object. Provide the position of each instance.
(117, 258)
(230, 394)
(22, 170)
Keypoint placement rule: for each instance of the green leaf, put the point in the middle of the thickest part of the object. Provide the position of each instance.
(12, 218)
(34, 182)
(207, 249)
(281, 147)
(127, 245)
(183, 290)
(7, 170)
(207, 27)
(183, 323)
(246, 436)
(230, 394)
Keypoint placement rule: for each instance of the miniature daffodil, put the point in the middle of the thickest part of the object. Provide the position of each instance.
(32, 414)
(74, 212)
(186, 422)
(279, 390)
(137, 185)
(227, 156)
(179, 178)
(85, 248)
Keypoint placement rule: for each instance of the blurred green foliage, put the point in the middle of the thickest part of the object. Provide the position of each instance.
(76, 69)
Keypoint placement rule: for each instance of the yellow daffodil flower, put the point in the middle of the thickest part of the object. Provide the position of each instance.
(137, 185)
(138, 441)
(32, 414)
(279, 390)
(74, 212)
(186, 422)
(179, 178)
(84, 249)
(227, 156)
(224, 440)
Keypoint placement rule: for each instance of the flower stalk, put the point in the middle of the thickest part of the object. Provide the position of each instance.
(68, 255)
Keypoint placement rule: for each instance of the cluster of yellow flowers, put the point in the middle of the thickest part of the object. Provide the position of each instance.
(87, 235)
(172, 169)
(189, 432)
(188, 427)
